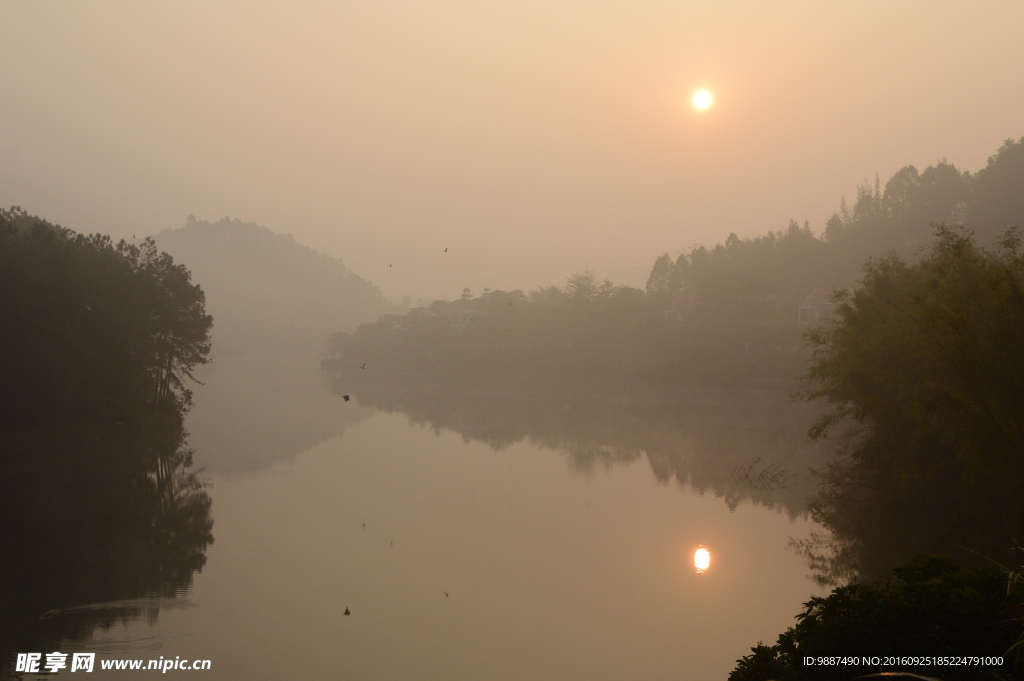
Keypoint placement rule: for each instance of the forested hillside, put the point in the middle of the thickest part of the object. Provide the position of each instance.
(268, 292)
(731, 311)
(895, 218)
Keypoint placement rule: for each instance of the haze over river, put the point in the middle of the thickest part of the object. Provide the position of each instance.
(481, 529)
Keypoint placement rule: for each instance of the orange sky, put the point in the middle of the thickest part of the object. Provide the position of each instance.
(529, 138)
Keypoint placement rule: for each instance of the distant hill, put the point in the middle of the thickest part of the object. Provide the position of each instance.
(266, 291)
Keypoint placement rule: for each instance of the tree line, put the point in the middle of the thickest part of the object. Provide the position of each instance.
(725, 312)
(897, 218)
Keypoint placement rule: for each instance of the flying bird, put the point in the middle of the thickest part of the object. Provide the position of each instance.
(347, 612)
(346, 397)
(364, 366)
(390, 265)
(446, 250)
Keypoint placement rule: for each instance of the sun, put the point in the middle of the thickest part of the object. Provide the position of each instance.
(701, 560)
(702, 99)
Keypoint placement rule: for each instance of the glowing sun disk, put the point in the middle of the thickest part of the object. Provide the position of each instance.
(702, 99)
(701, 559)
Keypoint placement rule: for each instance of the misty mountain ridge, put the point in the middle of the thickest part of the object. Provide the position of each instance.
(266, 291)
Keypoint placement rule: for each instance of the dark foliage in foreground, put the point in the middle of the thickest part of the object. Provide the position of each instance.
(925, 362)
(928, 608)
(923, 371)
(98, 504)
(99, 330)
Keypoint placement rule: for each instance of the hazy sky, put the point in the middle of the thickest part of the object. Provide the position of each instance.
(530, 138)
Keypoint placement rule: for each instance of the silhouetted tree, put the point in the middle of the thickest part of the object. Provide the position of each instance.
(95, 490)
(98, 329)
(658, 283)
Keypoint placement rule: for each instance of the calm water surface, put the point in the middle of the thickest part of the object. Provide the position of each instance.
(459, 558)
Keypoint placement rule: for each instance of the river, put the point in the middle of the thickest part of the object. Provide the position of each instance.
(433, 528)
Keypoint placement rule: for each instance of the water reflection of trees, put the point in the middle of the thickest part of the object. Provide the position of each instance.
(89, 526)
(713, 439)
(256, 411)
(875, 520)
